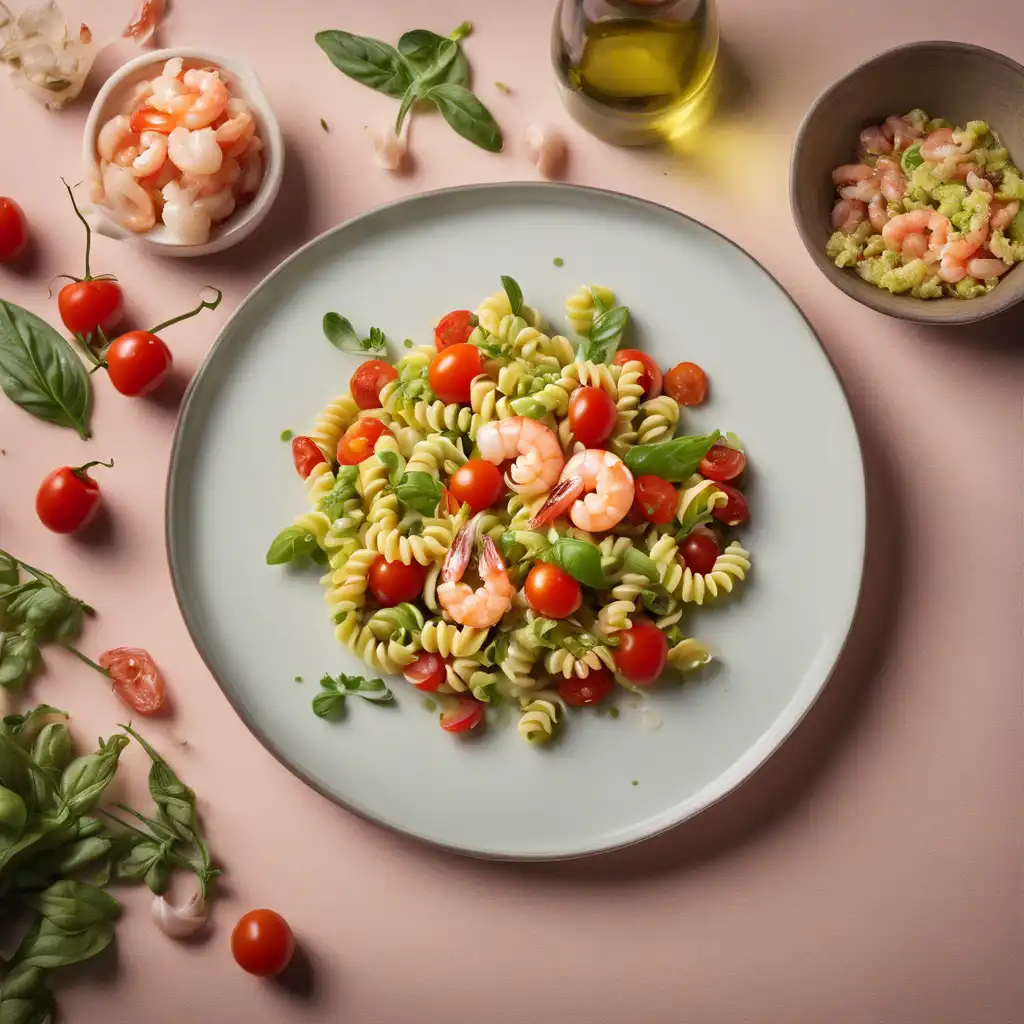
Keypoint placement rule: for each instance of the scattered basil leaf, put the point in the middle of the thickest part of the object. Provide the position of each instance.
(514, 293)
(433, 60)
(332, 504)
(329, 702)
(503, 88)
(86, 778)
(75, 906)
(558, 261)
(579, 559)
(461, 31)
(466, 115)
(640, 564)
(367, 61)
(48, 946)
(290, 544)
(340, 332)
(40, 372)
(24, 997)
(393, 462)
(420, 491)
(674, 460)
(657, 600)
(605, 335)
(287, 435)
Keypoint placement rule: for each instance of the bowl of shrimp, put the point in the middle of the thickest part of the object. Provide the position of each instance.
(905, 183)
(184, 154)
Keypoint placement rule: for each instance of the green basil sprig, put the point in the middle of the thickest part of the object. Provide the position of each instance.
(420, 491)
(368, 61)
(338, 330)
(514, 293)
(334, 689)
(290, 544)
(579, 559)
(332, 504)
(673, 460)
(40, 372)
(605, 334)
(641, 565)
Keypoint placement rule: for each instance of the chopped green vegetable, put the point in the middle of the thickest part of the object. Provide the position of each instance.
(323, 124)
(613, 712)
(287, 435)
(503, 88)
(407, 343)
(635, 782)
(461, 31)
(558, 261)
(299, 679)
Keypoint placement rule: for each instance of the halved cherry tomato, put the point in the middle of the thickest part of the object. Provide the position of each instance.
(13, 230)
(357, 442)
(368, 380)
(467, 714)
(722, 463)
(148, 119)
(452, 371)
(68, 498)
(395, 582)
(262, 943)
(454, 328)
(641, 653)
(137, 362)
(87, 305)
(687, 383)
(699, 552)
(137, 680)
(427, 672)
(305, 455)
(591, 416)
(735, 511)
(477, 482)
(448, 503)
(656, 499)
(552, 592)
(651, 381)
(589, 690)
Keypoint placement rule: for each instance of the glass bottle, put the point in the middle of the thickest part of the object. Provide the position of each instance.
(634, 72)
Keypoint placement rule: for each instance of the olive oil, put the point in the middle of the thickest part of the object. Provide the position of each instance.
(636, 71)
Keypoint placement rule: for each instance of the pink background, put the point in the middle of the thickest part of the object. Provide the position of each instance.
(871, 872)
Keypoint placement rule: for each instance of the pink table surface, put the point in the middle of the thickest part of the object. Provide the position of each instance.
(871, 872)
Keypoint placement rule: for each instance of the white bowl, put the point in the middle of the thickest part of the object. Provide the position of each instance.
(111, 100)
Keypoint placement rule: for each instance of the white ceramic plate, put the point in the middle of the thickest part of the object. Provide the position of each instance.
(693, 295)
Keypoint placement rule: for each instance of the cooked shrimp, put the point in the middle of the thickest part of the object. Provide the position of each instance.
(535, 448)
(983, 267)
(140, 94)
(978, 183)
(1003, 214)
(173, 68)
(850, 174)
(896, 231)
(914, 247)
(234, 134)
(252, 174)
(187, 222)
(940, 228)
(963, 170)
(483, 607)
(143, 25)
(170, 93)
(219, 205)
(113, 135)
(878, 213)
(901, 132)
(195, 152)
(212, 101)
(607, 488)
(129, 203)
(847, 214)
(152, 156)
(940, 145)
(209, 184)
(873, 141)
(952, 270)
(864, 190)
(964, 247)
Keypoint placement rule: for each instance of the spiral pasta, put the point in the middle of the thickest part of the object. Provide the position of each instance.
(595, 375)
(541, 715)
(495, 307)
(628, 392)
(448, 640)
(658, 419)
(732, 564)
(580, 309)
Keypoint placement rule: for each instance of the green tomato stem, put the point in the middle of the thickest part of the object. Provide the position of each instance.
(88, 231)
(82, 657)
(192, 312)
(80, 471)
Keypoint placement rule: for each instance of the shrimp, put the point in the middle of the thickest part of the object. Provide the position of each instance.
(864, 190)
(878, 213)
(195, 152)
(964, 247)
(170, 93)
(212, 101)
(153, 155)
(483, 607)
(252, 173)
(978, 183)
(896, 231)
(890, 178)
(143, 25)
(209, 184)
(535, 448)
(901, 131)
(607, 486)
(847, 214)
(187, 222)
(129, 203)
(234, 134)
(1003, 214)
(940, 145)
(112, 136)
(915, 246)
(850, 174)
(873, 141)
(983, 268)
(219, 205)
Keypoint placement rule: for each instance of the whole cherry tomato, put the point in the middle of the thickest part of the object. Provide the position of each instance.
(642, 653)
(592, 416)
(306, 455)
(91, 304)
(552, 592)
(466, 715)
(452, 371)
(427, 672)
(137, 363)
(588, 690)
(736, 511)
(262, 943)
(368, 380)
(651, 379)
(687, 383)
(656, 499)
(699, 551)
(357, 442)
(395, 582)
(68, 498)
(454, 328)
(137, 680)
(13, 230)
(722, 463)
(477, 482)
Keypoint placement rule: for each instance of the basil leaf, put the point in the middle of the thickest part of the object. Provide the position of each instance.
(376, 342)
(81, 853)
(52, 748)
(24, 997)
(339, 331)
(135, 864)
(420, 491)
(658, 601)
(13, 812)
(40, 372)
(175, 801)
(673, 460)
(86, 778)
(14, 725)
(291, 543)
(19, 659)
(75, 906)
(48, 946)
(157, 877)
(367, 61)
(514, 293)
(404, 107)
(605, 335)
(496, 651)
(466, 115)
(433, 59)
(642, 565)
(579, 559)
(9, 573)
(344, 489)
(328, 704)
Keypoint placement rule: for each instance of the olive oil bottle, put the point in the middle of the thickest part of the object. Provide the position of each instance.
(635, 72)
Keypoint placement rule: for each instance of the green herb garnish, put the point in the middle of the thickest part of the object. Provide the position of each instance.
(503, 88)
(331, 699)
(287, 435)
(461, 31)
(339, 331)
(558, 261)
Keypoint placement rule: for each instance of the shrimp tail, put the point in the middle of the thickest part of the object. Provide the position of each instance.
(459, 554)
(564, 493)
(490, 558)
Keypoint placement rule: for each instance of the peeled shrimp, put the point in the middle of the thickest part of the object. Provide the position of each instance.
(219, 205)
(983, 267)
(252, 173)
(607, 488)
(939, 145)
(915, 246)
(901, 131)
(889, 176)
(195, 152)
(212, 101)
(874, 142)
(895, 233)
(535, 448)
(209, 184)
(1002, 214)
(112, 136)
(129, 203)
(978, 183)
(153, 155)
(849, 174)
(170, 93)
(184, 219)
(847, 214)
(878, 213)
(483, 607)
(234, 134)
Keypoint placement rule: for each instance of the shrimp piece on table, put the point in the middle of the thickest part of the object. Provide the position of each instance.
(538, 455)
(195, 152)
(483, 607)
(129, 203)
(1002, 214)
(152, 156)
(187, 222)
(212, 101)
(874, 142)
(847, 214)
(607, 490)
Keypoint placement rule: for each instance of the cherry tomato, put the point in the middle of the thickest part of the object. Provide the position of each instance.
(454, 328)
(591, 416)
(86, 305)
(722, 463)
(589, 690)
(13, 230)
(452, 371)
(552, 591)
(147, 119)
(262, 943)
(735, 511)
(651, 380)
(357, 442)
(687, 383)
(395, 582)
(448, 503)
(699, 552)
(427, 672)
(367, 381)
(137, 363)
(68, 498)
(656, 499)
(467, 714)
(477, 482)
(306, 455)
(641, 653)
(137, 680)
